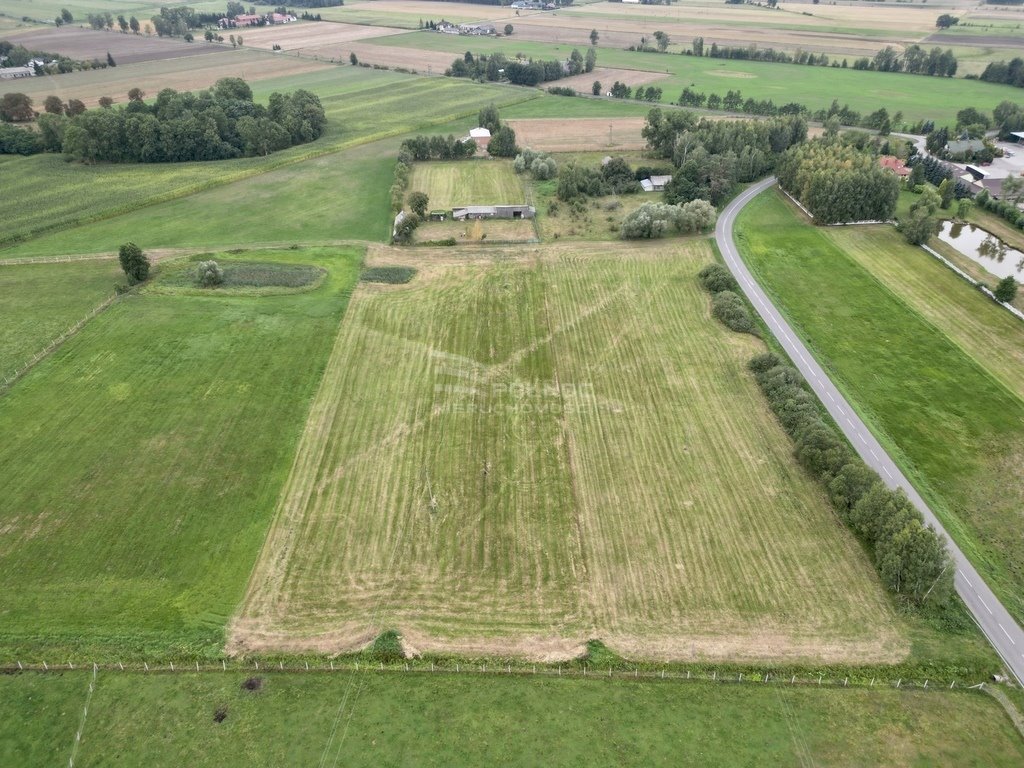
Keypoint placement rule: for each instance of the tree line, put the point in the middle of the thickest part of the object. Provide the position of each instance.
(58, 64)
(910, 557)
(217, 124)
(497, 67)
(838, 182)
(1005, 72)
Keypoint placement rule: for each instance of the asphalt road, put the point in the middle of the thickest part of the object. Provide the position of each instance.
(1001, 630)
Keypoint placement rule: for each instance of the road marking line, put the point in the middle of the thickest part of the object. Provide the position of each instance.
(1008, 635)
(873, 454)
(982, 601)
(886, 469)
(830, 396)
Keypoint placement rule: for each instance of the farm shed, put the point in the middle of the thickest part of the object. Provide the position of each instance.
(481, 136)
(9, 73)
(438, 215)
(655, 183)
(493, 212)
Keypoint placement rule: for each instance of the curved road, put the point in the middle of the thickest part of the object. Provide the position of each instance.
(995, 621)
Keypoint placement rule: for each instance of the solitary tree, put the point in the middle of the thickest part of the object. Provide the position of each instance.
(133, 24)
(353, 59)
(418, 202)
(503, 143)
(945, 21)
(106, 102)
(594, 37)
(66, 16)
(74, 107)
(133, 262)
(110, 60)
(662, 40)
(1006, 290)
(488, 118)
(136, 94)
(508, 30)
(596, 88)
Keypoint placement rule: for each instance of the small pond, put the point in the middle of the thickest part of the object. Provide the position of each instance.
(983, 248)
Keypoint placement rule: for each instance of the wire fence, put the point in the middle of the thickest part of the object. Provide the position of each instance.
(505, 669)
(9, 378)
(57, 259)
(976, 283)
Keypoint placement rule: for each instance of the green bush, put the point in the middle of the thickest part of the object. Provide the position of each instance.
(392, 275)
(716, 278)
(209, 274)
(387, 647)
(730, 310)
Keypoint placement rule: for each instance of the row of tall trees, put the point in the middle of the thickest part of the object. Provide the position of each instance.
(1006, 72)
(915, 60)
(838, 182)
(496, 67)
(216, 124)
(438, 148)
(910, 557)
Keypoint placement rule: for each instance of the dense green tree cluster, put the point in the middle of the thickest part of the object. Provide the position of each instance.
(711, 156)
(920, 223)
(915, 60)
(540, 165)
(439, 148)
(652, 220)
(910, 557)
(17, 141)
(838, 182)
(726, 304)
(497, 67)
(134, 263)
(615, 177)
(503, 143)
(1006, 72)
(1006, 289)
(217, 124)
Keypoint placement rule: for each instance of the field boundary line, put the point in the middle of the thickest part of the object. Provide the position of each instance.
(81, 722)
(976, 283)
(9, 380)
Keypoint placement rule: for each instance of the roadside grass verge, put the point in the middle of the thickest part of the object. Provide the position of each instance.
(38, 302)
(303, 719)
(955, 429)
(133, 511)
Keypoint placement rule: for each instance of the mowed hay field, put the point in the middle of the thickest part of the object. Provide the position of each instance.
(452, 720)
(38, 302)
(142, 461)
(476, 182)
(565, 445)
(945, 417)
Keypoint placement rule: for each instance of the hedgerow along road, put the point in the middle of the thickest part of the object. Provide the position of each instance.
(995, 621)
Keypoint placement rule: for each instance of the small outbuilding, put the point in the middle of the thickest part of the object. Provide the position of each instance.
(438, 215)
(894, 164)
(655, 183)
(494, 212)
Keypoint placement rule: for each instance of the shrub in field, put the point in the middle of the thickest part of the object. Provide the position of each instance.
(133, 262)
(650, 220)
(387, 647)
(697, 216)
(418, 202)
(730, 310)
(715, 278)
(910, 557)
(209, 274)
(540, 165)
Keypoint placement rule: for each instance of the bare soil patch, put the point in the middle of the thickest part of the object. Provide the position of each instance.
(607, 76)
(88, 44)
(580, 134)
(310, 36)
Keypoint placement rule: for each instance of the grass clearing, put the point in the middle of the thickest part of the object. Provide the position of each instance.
(38, 302)
(954, 428)
(573, 449)
(468, 182)
(168, 720)
(175, 424)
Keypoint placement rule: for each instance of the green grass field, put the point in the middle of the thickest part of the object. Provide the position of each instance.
(956, 430)
(287, 194)
(372, 719)
(986, 332)
(41, 301)
(133, 511)
(815, 87)
(573, 448)
(467, 182)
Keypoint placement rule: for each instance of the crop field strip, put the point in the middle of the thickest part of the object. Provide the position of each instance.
(955, 428)
(549, 424)
(170, 425)
(168, 720)
(918, 97)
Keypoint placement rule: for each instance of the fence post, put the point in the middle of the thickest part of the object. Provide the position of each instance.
(223, 665)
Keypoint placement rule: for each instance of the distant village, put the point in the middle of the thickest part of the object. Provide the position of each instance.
(255, 20)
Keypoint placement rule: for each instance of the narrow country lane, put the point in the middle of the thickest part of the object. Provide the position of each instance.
(995, 621)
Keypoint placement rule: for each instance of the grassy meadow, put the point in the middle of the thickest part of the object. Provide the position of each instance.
(371, 719)
(133, 511)
(955, 428)
(280, 191)
(573, 449)
(917, 97)
(475, 182)
(38, 302)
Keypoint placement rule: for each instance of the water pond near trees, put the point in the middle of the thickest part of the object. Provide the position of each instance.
(983, 248)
